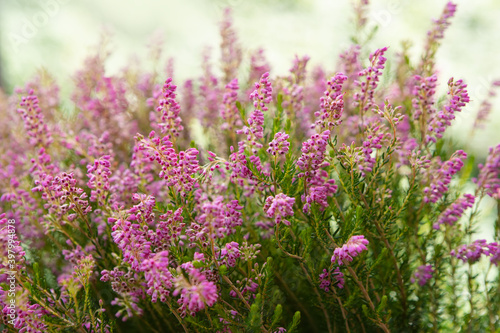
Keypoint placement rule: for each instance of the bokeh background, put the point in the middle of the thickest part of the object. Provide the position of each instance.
(59, 34)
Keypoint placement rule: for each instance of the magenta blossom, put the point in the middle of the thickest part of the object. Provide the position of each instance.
(279, 207)
(354, 246)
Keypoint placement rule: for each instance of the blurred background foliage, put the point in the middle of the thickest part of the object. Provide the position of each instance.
(58, 34)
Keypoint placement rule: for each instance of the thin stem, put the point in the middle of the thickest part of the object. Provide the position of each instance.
(174, 311)
(296, 300)
(382, 325)
(318, 296)
(342, 310)
(276, 233)
(396, 266)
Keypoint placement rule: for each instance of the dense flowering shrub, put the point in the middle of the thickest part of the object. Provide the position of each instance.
(319, 201)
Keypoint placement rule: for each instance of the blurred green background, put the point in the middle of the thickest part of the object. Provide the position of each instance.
(58, 34)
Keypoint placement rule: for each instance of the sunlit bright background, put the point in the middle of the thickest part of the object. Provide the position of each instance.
(58, 34)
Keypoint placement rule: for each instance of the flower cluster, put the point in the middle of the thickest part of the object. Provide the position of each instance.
(99, 174)
(459, 98)
(228, 110)
(313, 154)
(473, 252)
(326, 277)
(424, 91)
(488, 179)
(332, 104)
(422, 275)
(34, 123)
(279, 207)
(354, 246)
(320, 188)
(261, 96)
(455, 211)
(279, 145)
(170, 122)
(440, 177)
(64, 198)
(365, 99)
(176, 169)
(195, 292)
(158, 278)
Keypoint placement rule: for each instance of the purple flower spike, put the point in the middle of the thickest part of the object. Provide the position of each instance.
(489, 180)
(354, 246)
(422, 275)
(279, 207)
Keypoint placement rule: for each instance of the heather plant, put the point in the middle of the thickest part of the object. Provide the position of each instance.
(324, 200)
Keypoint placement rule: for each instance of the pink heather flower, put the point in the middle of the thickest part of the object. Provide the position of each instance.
(231, 53)
(298, 69)
(158, 277)
(424, 91)
(319, 189)
(325, 280)
(486, 106)
(142, 212)
(332, 105)
(455, 210)
(124, 182)
(494, 250)
(228, 110)
(261, 96)
(62, 195)
(168, 230)
(458, 99)
(313, 154)
(99, 179)
(365, 98)
(279, 145)
(376, 135)
(437, 31)
(238, 165)
(130, 287)
(29, 317)
(279, 207)
(132, 241)
(472, 252)
(34, 123)
(422, 275)
(354, 246)
(209, 100)
(229, 254)
(440, 179)
(258, 66)
(130, 230)
(249, 289)
(292, 89)
(326, 277)
(102, 102)
(176, 169)
(196, 291)
(216, 219)
(349, 62)
(188, 101)
(91, 146)
(169, 122)
(488, 180)
(313, 92)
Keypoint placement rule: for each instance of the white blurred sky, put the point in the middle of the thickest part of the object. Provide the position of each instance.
(58, 34)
